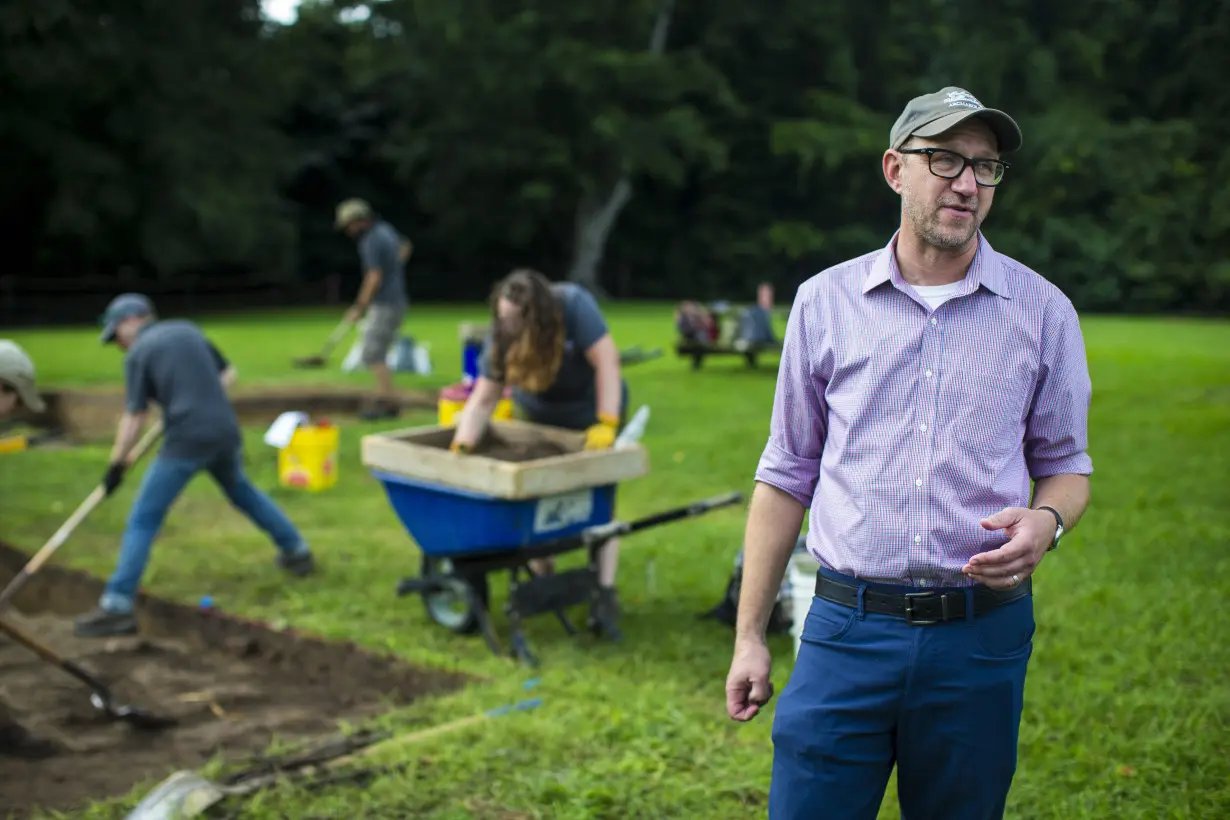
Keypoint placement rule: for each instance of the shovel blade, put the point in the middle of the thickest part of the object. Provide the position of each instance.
(139, 718)
(183, 794)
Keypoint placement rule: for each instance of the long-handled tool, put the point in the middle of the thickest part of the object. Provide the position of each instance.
(100, 695)
(188, 794)
(336, 336)
(66, 529)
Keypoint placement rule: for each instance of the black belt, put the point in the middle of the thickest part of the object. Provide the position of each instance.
(920, 608)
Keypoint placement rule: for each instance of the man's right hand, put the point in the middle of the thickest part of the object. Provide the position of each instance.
(113, 477)
(748, 687)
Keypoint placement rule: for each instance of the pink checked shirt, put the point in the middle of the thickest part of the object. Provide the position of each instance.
(901, 427)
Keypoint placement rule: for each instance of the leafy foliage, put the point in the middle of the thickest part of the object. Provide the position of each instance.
(194, 140)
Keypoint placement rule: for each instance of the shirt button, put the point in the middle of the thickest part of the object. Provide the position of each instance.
(932, 320)
(918, 539)
(922, 582)
(928, 374)
(918, 482)
(922, 427)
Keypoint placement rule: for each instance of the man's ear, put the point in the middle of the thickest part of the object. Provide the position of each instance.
(892, 164)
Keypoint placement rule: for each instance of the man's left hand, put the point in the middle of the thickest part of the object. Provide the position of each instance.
(113, 477)
(601, 435)
(1031, 533)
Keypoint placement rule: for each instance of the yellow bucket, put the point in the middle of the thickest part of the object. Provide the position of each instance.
(453, 399)
(309, 462)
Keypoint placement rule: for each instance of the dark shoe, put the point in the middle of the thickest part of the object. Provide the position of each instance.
(104, 624)
(301, 565)
(16, 741)
(604, 614)
(380, 410)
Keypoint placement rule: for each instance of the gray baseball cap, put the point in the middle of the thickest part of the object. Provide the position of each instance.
(121, 308)
(932, 114)
(17, 369)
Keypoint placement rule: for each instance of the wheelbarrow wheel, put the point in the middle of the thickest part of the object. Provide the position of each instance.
(454, 605)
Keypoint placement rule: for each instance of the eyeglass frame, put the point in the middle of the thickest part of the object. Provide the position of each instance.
(966, 162)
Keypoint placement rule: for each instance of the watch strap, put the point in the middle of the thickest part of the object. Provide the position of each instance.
(1058, 521)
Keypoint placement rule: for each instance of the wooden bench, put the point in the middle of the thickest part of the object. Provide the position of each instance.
(697, 351)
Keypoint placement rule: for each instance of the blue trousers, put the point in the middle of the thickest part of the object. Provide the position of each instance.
(943, 703)
(164, 481)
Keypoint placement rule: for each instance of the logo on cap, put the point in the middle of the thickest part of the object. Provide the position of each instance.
(961, 99)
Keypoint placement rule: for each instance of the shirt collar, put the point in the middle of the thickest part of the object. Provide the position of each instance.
(986, 270)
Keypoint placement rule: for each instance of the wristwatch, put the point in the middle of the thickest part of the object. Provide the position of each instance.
(1058, 526)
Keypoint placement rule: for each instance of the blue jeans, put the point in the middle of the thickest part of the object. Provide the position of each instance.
(165, 479)
(869, 691)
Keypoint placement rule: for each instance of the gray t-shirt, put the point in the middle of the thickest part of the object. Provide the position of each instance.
(380, 248)
(172, 363)
(572, 396)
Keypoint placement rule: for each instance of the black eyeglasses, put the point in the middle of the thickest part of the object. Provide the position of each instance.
(950, 165)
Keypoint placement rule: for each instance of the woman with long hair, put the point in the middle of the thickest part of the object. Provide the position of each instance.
(551, 344)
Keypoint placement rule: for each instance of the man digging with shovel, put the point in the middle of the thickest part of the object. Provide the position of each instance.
(172, 363)
(17, 387)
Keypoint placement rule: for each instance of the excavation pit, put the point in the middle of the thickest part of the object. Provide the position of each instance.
(235, 686)
(88, 414)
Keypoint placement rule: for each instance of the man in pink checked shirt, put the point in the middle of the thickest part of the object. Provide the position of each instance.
(922, 387)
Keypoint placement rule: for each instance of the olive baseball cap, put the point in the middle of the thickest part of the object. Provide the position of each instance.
(932, 114)
(17, 370)
(122, 307)
(350, 210)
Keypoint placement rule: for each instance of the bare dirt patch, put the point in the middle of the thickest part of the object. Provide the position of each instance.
(92, 413)
(235, 686)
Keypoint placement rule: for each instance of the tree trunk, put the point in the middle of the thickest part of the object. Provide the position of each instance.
(595, 220)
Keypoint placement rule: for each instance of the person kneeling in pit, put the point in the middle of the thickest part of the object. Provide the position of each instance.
(172, 363)
(551, 343)
(17, 388)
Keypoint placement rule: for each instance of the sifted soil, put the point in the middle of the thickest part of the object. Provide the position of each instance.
(235, 686)
(518, 451)
(503, 446)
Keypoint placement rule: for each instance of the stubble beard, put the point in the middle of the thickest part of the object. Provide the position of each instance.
(926, 221)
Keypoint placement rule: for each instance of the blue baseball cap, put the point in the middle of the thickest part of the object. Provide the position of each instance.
(122, 307)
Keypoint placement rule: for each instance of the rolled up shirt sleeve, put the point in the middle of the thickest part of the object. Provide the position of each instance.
(136, 384)
(797, 428)
(1057, 432)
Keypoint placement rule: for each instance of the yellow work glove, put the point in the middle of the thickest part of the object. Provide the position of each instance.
(459, 448)
(601, 435)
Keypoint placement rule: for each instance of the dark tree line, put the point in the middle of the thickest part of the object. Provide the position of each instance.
(649, 148)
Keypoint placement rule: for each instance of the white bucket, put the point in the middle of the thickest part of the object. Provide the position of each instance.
(801, 574)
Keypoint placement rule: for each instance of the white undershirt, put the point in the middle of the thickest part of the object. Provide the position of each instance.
(936, 295)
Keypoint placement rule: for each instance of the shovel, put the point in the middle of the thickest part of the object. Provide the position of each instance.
(66, 529)
(100, 695)
(319, 360)
(189, 794)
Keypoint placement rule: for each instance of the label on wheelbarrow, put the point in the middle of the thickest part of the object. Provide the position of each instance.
(556, 512)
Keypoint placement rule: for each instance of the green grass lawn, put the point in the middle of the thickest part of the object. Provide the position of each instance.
(1128, 700)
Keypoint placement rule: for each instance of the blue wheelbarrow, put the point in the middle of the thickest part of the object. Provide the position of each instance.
(465, 536)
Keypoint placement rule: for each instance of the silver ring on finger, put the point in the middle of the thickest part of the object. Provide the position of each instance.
(1015, 580)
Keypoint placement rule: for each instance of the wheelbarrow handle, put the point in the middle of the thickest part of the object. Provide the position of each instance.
(602, 532)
